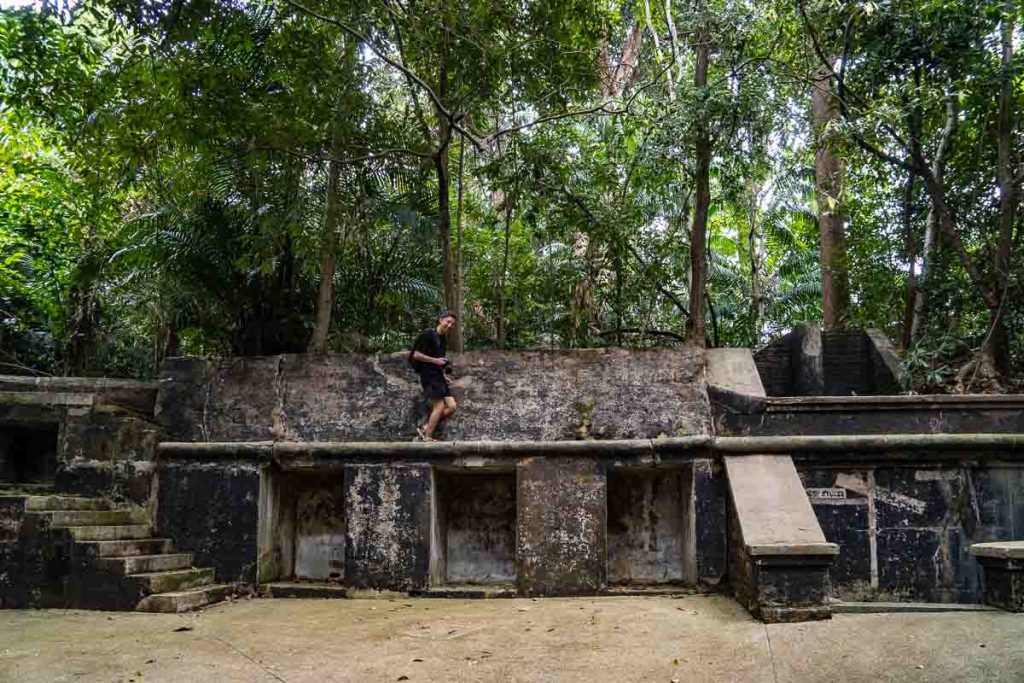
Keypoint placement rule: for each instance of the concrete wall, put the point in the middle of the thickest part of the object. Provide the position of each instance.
(904, 529)
(104, 434)
(812, 362)
(521, 395)
(211, 510)
(562, 540)
(876, 415)
(387, 542)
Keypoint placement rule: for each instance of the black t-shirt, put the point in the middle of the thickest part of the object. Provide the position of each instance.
(429, 343)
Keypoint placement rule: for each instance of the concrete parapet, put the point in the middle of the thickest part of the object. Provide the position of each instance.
(504, 395)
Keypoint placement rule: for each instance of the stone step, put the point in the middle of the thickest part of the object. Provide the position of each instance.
(185, 601)
(176, 580)
(294, 589)
(62, 518)
(144, 564)
(118, 532)
(59, 502)
(127, 547)
(840, 607)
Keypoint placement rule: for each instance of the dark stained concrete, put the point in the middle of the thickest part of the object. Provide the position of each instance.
(388, 526)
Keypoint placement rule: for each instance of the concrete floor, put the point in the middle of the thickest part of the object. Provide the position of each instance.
(693, 638)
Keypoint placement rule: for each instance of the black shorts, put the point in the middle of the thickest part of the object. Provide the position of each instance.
(434, 385)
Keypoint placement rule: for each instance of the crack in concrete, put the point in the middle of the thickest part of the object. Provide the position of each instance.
(230, 646)
(771, 654)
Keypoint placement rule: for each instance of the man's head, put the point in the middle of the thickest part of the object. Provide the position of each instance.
(445, 322)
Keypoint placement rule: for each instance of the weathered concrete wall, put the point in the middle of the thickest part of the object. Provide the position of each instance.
(521, 395)
(709, 511)
(810, 362)
(775, 365)
(939, 414)
(11, 582)
(904, 530)
(211, 510)
(562, 542)
(476, 519)
(105, 437)
(647, 526)
(792, 365)
(847, 363)
(387, 543)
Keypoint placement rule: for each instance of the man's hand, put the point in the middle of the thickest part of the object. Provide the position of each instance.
(448, 379)
(440, 362)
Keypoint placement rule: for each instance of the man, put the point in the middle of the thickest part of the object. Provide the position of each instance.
(428, 359)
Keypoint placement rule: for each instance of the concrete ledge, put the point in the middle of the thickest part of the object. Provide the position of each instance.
(40, 398)
(791, 615)
(999, 550)
(306, 591)
(792, 404)
(1003, 565)
(297, 453)
(840, 607)
(869, 442)
(787, 549)
(774, 514)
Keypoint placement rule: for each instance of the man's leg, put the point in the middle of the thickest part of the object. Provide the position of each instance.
(449, 407)
(436, 411)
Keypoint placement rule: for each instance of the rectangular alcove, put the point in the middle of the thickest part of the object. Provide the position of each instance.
(28, 453)
(302, 526)
(650, 527)
(474, 530)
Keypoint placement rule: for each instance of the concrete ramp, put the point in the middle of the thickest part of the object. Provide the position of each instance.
(778, 555)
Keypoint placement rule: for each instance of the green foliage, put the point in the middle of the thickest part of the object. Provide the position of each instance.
(165, 173)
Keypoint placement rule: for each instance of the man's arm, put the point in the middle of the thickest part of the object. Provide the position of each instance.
(424, 358)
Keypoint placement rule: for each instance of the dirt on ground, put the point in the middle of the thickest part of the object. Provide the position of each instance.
(691, 638)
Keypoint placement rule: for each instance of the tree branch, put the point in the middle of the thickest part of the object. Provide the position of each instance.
(643, 331)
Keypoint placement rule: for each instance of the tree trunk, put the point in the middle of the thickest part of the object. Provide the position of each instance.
(931, 231)
(502, 331)
(444, 181)
(457, 335)
(911, 246)
(325, 295)
(828, 183)
(330, 238)
(698, 232)
(444, 217)
(997, 343)
(754, 246)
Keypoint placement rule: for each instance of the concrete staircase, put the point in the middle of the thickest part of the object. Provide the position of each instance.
(112, 559)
